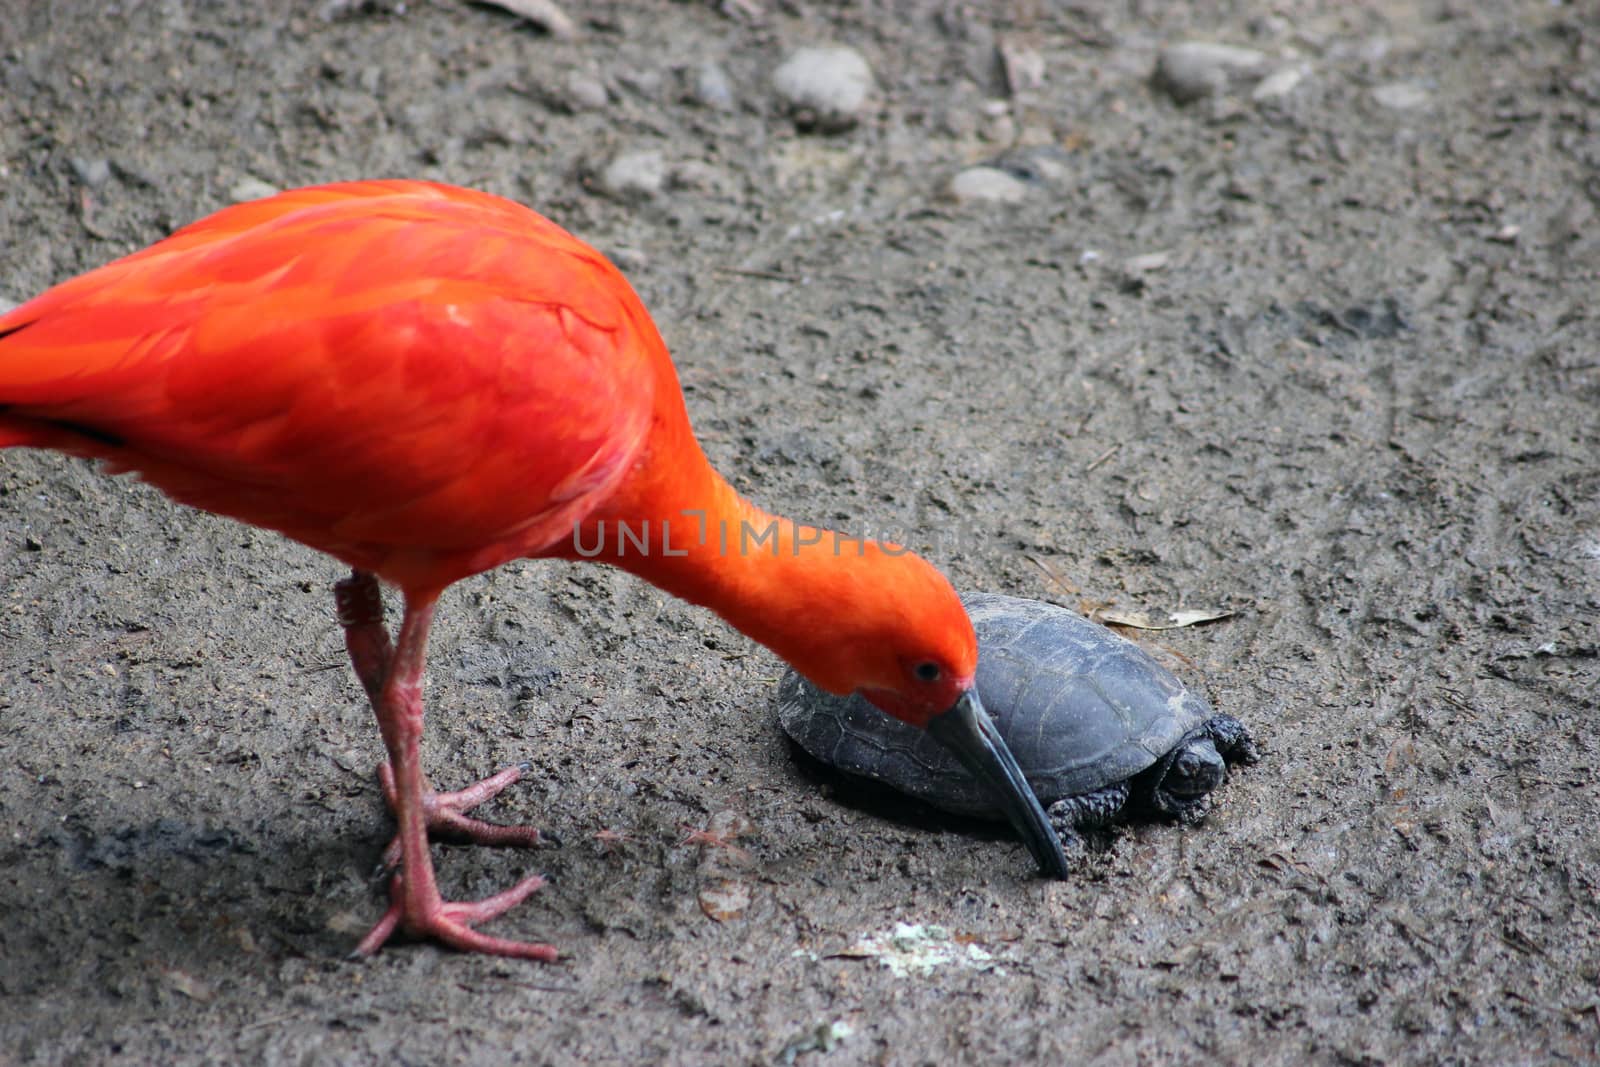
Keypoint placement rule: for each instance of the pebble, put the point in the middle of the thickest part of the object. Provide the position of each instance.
(712, 88)
(1194, 70)
(1146, 263)
(825, 87)
(91, 172)
(1280, 83)
(251, 188)
(635, 175)
(586, 92)
(998, 126)
(633, 260)
(1400, 96)
(987, 184)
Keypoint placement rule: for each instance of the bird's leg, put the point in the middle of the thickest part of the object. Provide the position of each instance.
(359, 605)
(358, 602)
(415, 904)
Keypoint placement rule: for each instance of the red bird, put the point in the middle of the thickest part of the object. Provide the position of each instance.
(426, 382)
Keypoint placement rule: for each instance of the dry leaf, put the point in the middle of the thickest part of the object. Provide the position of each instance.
(724, 898)
(1140, 620)
(188, 985)
(724, 893)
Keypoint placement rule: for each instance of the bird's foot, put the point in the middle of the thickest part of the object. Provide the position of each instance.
(391, 672)
(445, 815)
(450, 922)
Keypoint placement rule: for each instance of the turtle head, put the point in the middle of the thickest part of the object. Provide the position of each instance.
(1195, 770)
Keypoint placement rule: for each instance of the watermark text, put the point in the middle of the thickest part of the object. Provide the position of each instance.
(641, 538)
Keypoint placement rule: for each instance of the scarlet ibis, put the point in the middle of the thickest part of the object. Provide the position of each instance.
(425, 382)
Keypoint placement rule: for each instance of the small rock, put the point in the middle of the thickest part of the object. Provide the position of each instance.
(989, 184)
(1148, 262)
(630, 259)
(1507, 234)
(998, 126)
(825, 87)
(91, 172)
(712, 88)
(1194, 70)
(1400, 96)
(251, 188)
(635, 175)
(1279, 84)
(586, 92)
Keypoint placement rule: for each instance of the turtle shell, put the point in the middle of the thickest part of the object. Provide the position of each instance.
(1079, 707)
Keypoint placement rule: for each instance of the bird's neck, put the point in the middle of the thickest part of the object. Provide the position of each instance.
(684, 529)
(694, 536)
(678, 524)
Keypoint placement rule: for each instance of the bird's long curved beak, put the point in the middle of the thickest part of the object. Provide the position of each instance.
(970, 735)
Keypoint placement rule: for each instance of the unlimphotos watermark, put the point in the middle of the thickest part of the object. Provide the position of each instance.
(772, 536)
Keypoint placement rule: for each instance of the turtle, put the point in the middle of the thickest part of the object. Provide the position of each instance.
(1098, 727)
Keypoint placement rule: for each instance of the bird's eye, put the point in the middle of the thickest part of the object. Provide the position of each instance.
(927, 672)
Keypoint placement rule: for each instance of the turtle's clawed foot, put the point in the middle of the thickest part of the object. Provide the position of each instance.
(1232, 739)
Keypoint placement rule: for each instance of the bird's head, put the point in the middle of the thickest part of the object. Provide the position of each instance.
(895, 632)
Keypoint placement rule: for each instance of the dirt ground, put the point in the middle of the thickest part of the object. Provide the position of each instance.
(1328, 358)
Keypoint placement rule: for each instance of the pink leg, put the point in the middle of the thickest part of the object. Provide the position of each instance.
(359, 604)
(392, 675)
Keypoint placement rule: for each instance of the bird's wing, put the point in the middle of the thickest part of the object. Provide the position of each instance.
(382, 363)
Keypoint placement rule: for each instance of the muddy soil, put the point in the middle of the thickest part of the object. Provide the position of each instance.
(1327, 357)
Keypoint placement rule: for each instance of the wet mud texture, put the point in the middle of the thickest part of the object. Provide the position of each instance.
(1355, 399)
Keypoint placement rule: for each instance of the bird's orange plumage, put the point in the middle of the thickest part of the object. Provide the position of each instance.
(426, 382)
(320, 365)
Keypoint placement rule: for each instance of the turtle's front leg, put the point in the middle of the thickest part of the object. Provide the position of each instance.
(1069, 816)
(1232, 739)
